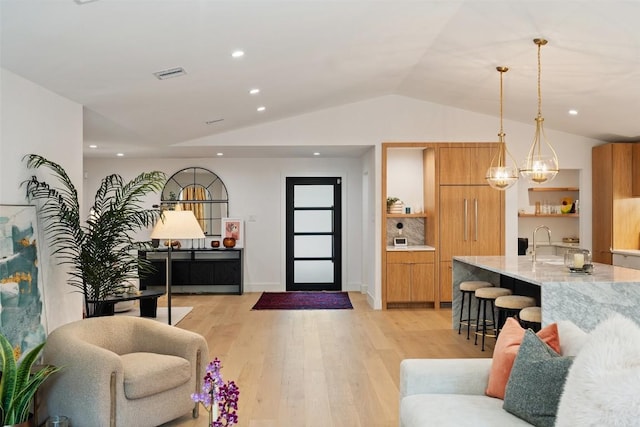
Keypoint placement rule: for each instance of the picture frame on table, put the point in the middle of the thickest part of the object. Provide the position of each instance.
(233, 227)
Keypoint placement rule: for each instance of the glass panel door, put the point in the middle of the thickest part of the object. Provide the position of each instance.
(313, 234)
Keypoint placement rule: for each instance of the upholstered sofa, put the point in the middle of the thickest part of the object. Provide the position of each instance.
(123, 371)
(602, 385)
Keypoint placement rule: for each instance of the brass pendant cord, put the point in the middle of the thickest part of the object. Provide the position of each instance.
(502, 147)
(540, 134)
(540, 168)
(539, 118)
(500, 158)
(499, 175)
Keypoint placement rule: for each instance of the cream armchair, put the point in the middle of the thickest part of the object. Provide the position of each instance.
(123, 371)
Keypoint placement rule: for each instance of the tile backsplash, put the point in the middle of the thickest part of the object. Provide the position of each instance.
(413, 230)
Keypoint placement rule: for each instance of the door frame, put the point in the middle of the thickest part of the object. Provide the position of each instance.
(336, 183)
(283, 218)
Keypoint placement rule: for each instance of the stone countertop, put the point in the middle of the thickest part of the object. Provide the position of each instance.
(557, 244)
(410, 248)
(585, 299)
(550, 269)
(629, 252)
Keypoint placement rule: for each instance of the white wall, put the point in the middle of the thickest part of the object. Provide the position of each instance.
(405, 169)
(34, 120)
(400, 119)
(256, 189)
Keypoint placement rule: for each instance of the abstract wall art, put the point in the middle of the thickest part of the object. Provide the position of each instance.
(22, 309)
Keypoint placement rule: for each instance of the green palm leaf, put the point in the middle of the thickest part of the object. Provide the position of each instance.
(101, 252)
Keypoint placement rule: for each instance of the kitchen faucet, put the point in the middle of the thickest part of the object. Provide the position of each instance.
(534, 239)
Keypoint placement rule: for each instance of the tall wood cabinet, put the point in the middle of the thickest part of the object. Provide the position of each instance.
(471, 213)
(635, 170)
(463, 164)
(616, 214)
(463, 216)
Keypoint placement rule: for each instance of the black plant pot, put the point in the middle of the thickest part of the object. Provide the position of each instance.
(99, 309)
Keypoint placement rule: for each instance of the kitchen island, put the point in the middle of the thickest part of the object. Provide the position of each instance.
(585, 299)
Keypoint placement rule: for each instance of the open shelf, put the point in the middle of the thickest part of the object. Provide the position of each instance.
(540, 189)
(560, 215)
(411, 215)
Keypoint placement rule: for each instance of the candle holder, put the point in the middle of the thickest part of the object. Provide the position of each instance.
(578, 260)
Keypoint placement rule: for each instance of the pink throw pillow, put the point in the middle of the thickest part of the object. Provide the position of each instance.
(506, 349)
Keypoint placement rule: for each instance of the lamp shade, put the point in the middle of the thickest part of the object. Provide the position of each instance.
(177, 225)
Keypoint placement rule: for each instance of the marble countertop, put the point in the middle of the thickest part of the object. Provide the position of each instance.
(631, 252)
(410, 248)
(550, 269)
(558, 244)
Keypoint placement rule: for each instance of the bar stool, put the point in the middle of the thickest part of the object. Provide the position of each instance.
(468, 290)
(510, 305)
(531, 317)
(487, 296)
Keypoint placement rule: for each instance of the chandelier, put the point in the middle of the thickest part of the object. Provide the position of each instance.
(541, 164)
(499, 175)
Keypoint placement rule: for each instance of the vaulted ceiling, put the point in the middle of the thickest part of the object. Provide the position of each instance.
(310, 55)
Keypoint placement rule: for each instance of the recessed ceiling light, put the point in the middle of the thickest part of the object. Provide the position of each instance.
(316, 154)
(120, 154)
(254, 91)
(237, 54)
(261, 108)
(93, 146)
(219, 154)
(573, 112)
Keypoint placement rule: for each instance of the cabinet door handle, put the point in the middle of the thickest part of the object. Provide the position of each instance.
(465, 219)
(475, 201)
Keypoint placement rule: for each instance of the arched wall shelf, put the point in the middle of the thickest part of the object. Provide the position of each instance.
(201, 191)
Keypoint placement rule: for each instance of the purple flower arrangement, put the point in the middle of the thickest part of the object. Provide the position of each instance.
(219, 398)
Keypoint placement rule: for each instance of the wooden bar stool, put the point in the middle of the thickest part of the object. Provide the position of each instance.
(468, 290)
(531, 317)
(487, 296)
(510, 305)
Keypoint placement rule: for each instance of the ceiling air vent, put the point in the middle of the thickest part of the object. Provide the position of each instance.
(170, 73)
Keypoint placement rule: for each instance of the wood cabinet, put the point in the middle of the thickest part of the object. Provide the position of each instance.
(410, 277)
(635, 170)
(470, 213)
(463, 216)
(616, 214)
(464, 165)
(470, 221)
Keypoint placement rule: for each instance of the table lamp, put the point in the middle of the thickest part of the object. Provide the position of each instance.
(174, 225)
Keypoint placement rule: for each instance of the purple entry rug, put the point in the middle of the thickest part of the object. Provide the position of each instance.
(303, 301)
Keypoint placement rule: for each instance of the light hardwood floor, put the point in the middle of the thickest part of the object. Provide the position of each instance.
(317, 367)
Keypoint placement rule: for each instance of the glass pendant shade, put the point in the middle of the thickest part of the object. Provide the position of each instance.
(540, 167)
(499, 175)
(541, 164)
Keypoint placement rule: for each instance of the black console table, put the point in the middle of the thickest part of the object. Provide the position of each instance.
(206, 271)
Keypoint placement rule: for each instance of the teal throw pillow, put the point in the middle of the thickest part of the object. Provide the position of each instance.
(536, 382)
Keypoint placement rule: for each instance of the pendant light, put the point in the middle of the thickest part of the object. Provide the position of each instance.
(499, 175)
(541, 164)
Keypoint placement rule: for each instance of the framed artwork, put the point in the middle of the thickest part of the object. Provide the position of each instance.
(232, 227)
(22, 307)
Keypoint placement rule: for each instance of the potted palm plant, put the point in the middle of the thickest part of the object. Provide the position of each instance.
(19, 383)
(100, 251)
